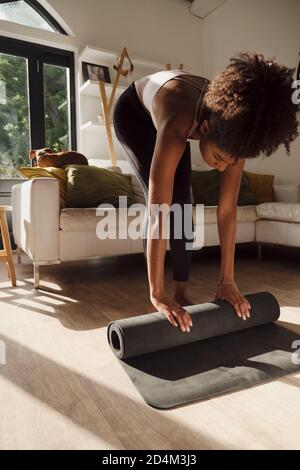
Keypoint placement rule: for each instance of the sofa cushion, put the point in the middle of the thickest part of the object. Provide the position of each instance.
(82, 220)
(86, 219)
(261, 185)
(138, 192)
(286, 193)
(89, 186)
(125, 167)
(206, 188)
(244, 214)
(287, 212)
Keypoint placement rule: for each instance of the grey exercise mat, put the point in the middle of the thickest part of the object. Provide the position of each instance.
(221, 353)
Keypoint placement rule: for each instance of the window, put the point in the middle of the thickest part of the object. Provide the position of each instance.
(29, 13)
(14, 113)
(37, 102)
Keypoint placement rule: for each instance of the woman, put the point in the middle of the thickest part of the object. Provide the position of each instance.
(246, 110)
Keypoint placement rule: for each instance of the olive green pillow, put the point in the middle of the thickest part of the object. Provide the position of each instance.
(262, 186)
(90, 186)
(206, 188)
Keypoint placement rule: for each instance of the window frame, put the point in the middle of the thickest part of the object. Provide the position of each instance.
(43, 13)
(38, 55)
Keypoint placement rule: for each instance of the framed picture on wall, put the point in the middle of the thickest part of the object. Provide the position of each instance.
(95, 72)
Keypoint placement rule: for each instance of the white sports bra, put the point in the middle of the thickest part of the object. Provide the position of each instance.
(156, 80)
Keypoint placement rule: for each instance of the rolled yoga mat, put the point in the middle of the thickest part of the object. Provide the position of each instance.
(221, 353)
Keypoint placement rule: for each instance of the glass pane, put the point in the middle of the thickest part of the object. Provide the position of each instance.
(14, 114)
(57, 107)
(20, 12)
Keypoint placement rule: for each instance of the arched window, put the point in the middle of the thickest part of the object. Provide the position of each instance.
(29, 13)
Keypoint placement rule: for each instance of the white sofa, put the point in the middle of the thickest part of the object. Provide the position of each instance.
(49, 235)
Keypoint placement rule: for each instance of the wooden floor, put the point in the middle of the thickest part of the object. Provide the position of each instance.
(62, 388)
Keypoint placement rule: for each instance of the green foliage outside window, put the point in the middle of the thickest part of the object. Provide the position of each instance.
(14, 112)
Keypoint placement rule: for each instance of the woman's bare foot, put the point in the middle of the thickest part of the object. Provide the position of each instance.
(183, 300)
(180, 295)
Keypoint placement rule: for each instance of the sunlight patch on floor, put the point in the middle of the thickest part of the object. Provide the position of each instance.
(20, 291)
(43, 283)
(58, 296)
(33, 304)
(49, 300)
(5, 295)
(30, 406)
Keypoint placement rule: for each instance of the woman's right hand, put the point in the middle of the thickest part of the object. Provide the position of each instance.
(176, 314)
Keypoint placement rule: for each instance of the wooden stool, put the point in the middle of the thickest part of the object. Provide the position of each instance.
(6, 255)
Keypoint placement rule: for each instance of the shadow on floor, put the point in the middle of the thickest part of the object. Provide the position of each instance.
(110, 415)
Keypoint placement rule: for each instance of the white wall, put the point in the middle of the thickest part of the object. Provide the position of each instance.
(159, 30)
(267, 26)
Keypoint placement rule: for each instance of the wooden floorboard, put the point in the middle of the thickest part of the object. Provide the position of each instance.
(62, 388)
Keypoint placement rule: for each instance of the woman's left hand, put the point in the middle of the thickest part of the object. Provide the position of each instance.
(231, 293)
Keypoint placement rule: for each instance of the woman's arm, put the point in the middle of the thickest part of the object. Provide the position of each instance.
(227, 232)
(169, 149)
(226, 216)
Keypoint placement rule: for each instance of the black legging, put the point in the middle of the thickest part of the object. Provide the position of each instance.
(136, 133)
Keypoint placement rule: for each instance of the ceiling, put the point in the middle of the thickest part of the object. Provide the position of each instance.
(202, 8)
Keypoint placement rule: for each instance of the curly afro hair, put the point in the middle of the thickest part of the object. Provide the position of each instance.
(249, 106)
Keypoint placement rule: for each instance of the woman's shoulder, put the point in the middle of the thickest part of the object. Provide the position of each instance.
(175, 104)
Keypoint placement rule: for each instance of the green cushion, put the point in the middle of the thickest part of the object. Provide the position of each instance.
(206, 188)
(206, 185)
(262, 186)
(90, 186)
